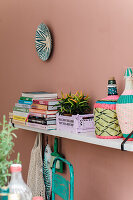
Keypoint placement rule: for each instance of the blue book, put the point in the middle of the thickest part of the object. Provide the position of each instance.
(25, 102)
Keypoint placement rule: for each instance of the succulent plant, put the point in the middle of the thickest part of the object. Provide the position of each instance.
(6, 148)
(73, 104)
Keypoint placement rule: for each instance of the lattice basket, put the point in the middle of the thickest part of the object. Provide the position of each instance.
(106, 121)
(75, 123)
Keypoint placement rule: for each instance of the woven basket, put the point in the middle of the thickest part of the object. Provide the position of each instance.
(124, 108)
(106, 122)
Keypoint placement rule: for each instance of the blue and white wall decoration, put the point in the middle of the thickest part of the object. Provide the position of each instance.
(43, 42)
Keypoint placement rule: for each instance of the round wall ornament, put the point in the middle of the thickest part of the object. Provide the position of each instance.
(43, 42)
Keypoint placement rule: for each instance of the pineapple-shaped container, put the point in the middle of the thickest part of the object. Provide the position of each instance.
(105, 117)
(124, 106)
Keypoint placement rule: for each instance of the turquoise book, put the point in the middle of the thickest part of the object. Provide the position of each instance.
(25, 102)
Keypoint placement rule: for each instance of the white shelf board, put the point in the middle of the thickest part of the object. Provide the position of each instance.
(88, 137)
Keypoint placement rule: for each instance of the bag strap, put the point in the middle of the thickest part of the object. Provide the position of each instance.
(38, 141)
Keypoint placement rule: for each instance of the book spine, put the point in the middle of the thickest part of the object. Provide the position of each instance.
(21, 114)
(20, 109)
(46, 98)
(38, 106)
(50, 112)
(22, 105)
(36, 114)
(26, 98)
(43, 111)
(25, 102)
(37, 111)
(43, 107)
(52, 107)
(36, 125)
(45, 102)
(51, 122)
(15, 117)
(19, 122)
(51, 127)
(49, 116)
(37, 121)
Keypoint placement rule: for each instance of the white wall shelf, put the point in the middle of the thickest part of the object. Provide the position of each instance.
(88, 137)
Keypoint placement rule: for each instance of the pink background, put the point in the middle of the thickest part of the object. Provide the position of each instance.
(92, 41)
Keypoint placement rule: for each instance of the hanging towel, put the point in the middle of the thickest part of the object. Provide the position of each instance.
(47, 172)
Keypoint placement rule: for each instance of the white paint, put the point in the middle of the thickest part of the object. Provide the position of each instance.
(88, 137)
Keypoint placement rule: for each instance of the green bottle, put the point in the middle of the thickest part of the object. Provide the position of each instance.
(59, 164)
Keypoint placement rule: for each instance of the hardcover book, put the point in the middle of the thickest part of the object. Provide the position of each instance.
(22, 105)
(26, 98)
(21, 114)
(48, 102)
(45, 127)
(43, 107)
(25, 102)
(43, 111)
(39, 94)
(43, 115)
(15, 117)
(21, 109)
(18, 122)
(41, 120)
(48, 116)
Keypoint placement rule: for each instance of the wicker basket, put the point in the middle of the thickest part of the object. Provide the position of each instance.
(75, 123)
(124, 106)
(106, 122)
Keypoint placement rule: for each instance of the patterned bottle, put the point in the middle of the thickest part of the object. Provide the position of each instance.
(124, 106)
(105, 117)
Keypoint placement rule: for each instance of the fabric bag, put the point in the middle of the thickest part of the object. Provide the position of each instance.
(35, 174)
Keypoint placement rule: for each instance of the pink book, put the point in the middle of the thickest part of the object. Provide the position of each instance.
(48, 102)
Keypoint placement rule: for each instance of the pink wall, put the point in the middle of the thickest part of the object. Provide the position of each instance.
(93, 40)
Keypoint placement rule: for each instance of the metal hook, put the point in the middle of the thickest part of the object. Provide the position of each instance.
(47, 139)
(122, 144)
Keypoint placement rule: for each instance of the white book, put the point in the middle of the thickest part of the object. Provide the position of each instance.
(22, 114)
(45, 127)
(50, 116)
(22, 105)
(44, 98)
(39, 94)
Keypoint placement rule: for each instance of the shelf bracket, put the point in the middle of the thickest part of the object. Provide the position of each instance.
(123, 143)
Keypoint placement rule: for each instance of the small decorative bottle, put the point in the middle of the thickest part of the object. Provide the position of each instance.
(17, 184)
(105, 117)
(124, 106)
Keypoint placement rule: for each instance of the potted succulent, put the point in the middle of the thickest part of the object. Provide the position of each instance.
(6, 148)
(73, 113)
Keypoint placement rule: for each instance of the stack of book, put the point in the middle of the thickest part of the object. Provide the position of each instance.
(36, 109)
(21, 110)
